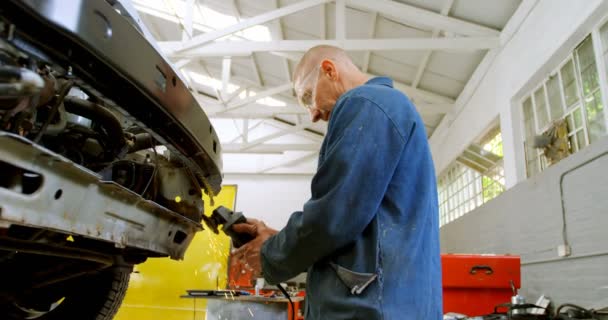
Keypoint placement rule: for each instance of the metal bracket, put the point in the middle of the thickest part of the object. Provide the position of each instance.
(73, 200)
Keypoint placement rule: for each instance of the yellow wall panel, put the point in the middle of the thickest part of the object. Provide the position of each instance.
(156, 284)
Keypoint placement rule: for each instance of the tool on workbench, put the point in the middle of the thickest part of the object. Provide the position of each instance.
(227, 218)
(516, 301)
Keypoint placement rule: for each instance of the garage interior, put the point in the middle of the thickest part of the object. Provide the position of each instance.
(512, 95)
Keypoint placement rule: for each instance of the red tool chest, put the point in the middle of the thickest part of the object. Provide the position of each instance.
(474, 284)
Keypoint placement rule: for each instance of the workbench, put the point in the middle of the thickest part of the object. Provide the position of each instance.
(253, 307)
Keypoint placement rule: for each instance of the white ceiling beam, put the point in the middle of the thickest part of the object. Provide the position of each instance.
(147, 8)
(244, 136)
(252, 112)
(275, 112)
(247, 23)
(427, 56)
(286, 69)
(372, 34)
(426, 103)
(246, 48)
(259, 111)
(187, 31)
(235, 9)
(205, 96)
(421, 67)
(323, 21)
(340, 20)
(235, 94)
(314, 137)
(412, 15)
(252, 61)
(256, 71)
(181, 63)
(417, 95)
(309, 173)
(259, 123)
(259, 141)
(291, 162)
(259, 81)
(142, 7)
(243, 83)
(271, 147)
(245, 132)
(226, 65)
(269, 92)
(276, 32)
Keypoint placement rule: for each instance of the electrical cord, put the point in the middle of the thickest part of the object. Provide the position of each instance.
(561, 194)
(293, 310)
(154, 171)
(585, 312)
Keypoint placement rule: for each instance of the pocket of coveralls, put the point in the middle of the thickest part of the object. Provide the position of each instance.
(356, 282)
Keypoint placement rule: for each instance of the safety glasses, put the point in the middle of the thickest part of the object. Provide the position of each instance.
(306, 88)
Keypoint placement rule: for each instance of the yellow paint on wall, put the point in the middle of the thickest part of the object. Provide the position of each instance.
(157, 284)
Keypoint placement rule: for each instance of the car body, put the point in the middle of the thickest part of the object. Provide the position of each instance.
(104, 154)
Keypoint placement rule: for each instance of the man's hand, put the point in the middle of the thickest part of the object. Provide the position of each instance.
(249, 253)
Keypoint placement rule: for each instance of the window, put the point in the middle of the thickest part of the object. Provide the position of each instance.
(592, 97)
(476, 177)
(572, 93)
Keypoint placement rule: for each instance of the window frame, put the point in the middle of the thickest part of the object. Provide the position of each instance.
(568, 110)
(601, 64)
(460, 188)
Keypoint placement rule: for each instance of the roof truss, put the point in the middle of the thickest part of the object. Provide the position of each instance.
(247, 48)
(467, 36)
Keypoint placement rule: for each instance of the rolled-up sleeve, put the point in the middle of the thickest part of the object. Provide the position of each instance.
(347, 190)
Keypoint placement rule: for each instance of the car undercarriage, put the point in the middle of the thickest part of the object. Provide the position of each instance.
(104, 156)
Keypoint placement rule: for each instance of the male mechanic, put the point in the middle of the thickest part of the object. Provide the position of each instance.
(368, 236)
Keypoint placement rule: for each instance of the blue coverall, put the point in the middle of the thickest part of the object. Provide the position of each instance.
(368, 236)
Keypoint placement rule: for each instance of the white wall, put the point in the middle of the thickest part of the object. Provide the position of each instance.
(271, 198)
(551, 29)
(530, 218)
(567, 201)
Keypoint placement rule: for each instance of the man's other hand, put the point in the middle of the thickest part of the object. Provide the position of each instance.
(249, 253)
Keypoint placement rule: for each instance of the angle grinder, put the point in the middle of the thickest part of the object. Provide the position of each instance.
(227, 218)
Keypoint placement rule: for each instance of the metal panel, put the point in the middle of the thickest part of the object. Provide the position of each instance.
(73, 200)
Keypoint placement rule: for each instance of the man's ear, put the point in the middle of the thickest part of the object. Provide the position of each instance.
(328, 68)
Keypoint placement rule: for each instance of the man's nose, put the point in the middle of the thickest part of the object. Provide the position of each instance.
(315, 114)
